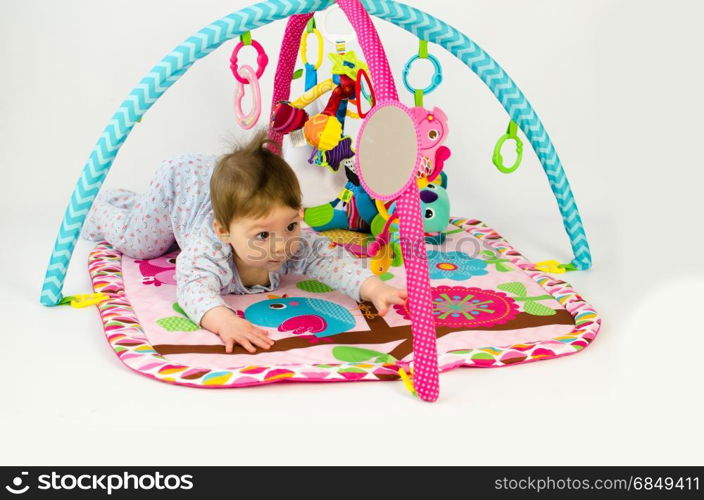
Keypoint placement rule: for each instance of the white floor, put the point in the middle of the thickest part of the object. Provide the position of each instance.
(630, 141)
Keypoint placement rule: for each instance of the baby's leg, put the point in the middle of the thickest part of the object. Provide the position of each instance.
(138, 225)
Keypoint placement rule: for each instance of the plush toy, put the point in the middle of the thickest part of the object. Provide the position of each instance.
(435, 205)
(433, 132)
(358, 209)
(385, 250)
(286, 118)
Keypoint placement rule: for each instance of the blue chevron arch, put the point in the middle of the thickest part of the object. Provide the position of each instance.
(179, 60)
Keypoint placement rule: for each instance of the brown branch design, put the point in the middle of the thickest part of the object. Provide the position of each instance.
(379, 332)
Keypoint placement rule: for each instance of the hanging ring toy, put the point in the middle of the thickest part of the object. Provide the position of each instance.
(262, 60)
(248, 121)
(359, 91)
(304, 47)
(498, 160)
(434, 81)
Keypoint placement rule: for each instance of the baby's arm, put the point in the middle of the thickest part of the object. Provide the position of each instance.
(338, 268)
(199, 281)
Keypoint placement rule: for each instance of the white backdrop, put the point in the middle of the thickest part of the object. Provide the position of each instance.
(617, 85)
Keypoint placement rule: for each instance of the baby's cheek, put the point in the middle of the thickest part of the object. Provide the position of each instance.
(250, 250)
(292, 247)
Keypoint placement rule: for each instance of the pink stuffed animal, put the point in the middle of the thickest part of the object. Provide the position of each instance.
(433, 132)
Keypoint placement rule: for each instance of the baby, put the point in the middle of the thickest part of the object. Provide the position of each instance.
(238, 224)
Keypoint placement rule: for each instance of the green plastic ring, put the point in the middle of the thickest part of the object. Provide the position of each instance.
(498, 160)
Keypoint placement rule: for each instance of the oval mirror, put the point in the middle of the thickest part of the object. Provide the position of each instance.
(387, 150)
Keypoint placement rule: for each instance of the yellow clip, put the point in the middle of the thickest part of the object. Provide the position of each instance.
(550, 266)
(83, 300)
(407, 380)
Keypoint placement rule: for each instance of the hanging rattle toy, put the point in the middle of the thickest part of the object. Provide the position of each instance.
(289, 118)
(498, 160)
(250, 77)
(432, 124)
(324, 130)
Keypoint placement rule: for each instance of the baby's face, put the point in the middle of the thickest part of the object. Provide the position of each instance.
(267, 242)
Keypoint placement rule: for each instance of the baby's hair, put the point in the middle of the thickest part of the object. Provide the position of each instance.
(251, 180)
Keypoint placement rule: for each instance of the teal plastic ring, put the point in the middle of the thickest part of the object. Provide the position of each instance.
(435, 80)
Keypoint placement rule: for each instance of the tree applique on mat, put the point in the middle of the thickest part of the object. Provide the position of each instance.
(313, 286)
(351, 354)
(177, 323)
(531, 305)
(360, 356)
(497, 261)
(379, 332)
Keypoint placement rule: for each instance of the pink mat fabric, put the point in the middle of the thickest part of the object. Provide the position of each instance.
(492, 308)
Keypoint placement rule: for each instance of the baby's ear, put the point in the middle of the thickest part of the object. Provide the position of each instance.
(220, 231)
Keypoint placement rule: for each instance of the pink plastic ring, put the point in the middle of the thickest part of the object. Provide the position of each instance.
(247, 121)
(262, 61)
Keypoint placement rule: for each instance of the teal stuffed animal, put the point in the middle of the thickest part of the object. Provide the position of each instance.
(385, 250)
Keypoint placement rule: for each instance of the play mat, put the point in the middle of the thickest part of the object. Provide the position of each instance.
(491, 307)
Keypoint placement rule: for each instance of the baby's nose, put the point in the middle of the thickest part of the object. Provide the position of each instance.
(278, 247)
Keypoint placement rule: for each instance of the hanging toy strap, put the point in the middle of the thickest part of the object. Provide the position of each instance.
(425, 358)
(286, 66)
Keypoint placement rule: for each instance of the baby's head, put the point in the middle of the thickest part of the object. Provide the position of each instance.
(256, 203)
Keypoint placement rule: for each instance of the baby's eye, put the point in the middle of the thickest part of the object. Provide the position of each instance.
(262, 236)
(292, 226)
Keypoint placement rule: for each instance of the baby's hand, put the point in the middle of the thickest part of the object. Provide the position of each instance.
(240, 331)
(382, 295)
